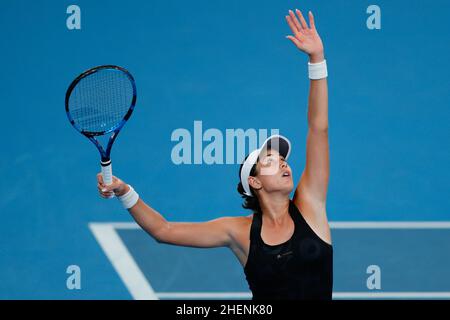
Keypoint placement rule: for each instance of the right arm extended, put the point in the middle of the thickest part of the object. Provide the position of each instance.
(214, 233)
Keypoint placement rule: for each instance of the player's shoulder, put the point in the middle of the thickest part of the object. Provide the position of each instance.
(236, 224)
(241, 219)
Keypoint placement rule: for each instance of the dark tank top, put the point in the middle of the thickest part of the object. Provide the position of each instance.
(300, 268)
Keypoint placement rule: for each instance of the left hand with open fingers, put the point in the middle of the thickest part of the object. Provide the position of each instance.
(306, 38)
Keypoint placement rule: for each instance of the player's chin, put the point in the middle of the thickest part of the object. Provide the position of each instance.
(286, 187)
(287, 181)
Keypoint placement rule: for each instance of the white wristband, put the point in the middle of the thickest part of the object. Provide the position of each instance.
(129, 199)
(317, 70)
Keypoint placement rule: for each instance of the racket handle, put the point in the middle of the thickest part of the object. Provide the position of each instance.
(107, 172)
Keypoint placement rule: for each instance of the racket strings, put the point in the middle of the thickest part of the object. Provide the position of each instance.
(99, 102)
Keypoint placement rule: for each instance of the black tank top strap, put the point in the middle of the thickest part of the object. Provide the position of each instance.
(304, 229)
(255, 230)
(295, 214)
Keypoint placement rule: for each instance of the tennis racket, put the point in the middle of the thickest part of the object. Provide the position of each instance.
(99, 102)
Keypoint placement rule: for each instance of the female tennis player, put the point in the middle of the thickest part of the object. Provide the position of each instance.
(285, 245)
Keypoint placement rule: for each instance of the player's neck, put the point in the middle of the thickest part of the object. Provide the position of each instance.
(275, 209)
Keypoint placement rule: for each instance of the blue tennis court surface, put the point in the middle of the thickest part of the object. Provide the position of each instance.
(400, 251)
(227, 66)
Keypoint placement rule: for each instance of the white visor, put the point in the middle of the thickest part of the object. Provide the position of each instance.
(276, 142)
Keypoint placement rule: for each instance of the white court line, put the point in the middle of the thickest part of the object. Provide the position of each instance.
(343, 225)
(388, 295)
(336, 295)
(140, 288)
(204, 295)
(123, 262)
(390, 225)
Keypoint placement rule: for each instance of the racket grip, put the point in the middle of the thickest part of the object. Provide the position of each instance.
(107, 172)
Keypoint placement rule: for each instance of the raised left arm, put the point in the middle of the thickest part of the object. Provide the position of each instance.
(310, 194)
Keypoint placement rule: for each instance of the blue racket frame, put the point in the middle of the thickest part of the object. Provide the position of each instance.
(105, 154)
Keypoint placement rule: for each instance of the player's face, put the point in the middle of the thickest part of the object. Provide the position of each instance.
(274, 174)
